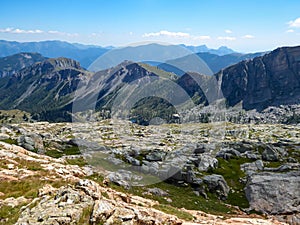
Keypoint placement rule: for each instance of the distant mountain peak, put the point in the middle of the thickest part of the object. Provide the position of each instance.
(63, 62)
(11, 64)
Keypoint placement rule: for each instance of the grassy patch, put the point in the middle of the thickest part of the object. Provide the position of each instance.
(70, 150)
(28, 187)
(174, 211)
(77, 161)
(273, 164)
(10, 141)
(181, 196)
(9, 215)
(232, 173)
(54, 153)
(30, 165)
(97, 178)
(85, 217)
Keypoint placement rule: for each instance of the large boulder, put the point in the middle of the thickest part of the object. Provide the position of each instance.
(123, 178)
(207, 162)
(217, 184)
(31, 142)
(228, 153)
(272, 153)
(275, 193)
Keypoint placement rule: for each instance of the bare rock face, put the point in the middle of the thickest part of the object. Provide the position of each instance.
(272, 79)
(275, 193)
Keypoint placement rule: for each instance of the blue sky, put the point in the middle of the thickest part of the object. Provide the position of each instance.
(245, 26)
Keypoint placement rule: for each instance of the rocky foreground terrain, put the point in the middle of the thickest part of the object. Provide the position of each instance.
(116, 172)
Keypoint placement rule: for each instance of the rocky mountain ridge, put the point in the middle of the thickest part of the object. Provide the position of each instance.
(11, 64)
(42, 87)
(47, 89)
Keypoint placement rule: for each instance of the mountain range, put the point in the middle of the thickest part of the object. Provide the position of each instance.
(223, 50)
(52, 49)
(54, 88)
(87, 54)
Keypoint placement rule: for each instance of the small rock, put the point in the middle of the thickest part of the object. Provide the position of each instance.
(217, 184)
(253, 167)
(157, 192)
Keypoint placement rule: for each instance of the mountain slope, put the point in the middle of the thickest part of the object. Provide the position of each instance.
(204, 62)
(44, 86)
(269, 80)
(11, 64)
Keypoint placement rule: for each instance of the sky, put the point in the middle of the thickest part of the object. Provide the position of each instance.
(245, 25)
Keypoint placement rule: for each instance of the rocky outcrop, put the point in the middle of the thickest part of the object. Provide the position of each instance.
(269, 80)
(33, 163)
(84, 203)
(275, 193)
(216, 183)
(89, 203)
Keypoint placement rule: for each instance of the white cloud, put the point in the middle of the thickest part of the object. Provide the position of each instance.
(248, 36)
(204, 37)
(290, 31)
(62, 33)
(227, 38)
(53, 32)
(228, 31)
(20, 31)
(37, 31)
(167, 33)
(294, 23)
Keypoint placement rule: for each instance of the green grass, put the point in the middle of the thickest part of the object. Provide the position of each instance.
(181, 196)
(174, 211)
(85, 217)
(54, 153)
(77, 161)
(9, 215)
(10, 141)
(28, 187)
(232, 173)
(70, 150)
(30, 165)
(273, 164)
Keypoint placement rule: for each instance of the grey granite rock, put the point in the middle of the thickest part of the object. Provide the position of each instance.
(217, 184)
(274, 193)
